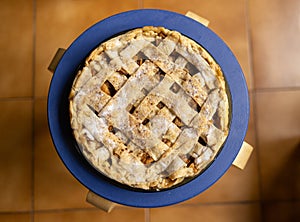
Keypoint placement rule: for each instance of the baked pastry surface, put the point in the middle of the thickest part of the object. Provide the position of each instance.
(149, 108)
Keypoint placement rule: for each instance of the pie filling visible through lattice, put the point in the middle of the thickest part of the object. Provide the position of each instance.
(149, 108)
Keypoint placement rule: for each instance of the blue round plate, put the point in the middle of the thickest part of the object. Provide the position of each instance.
(58, 106)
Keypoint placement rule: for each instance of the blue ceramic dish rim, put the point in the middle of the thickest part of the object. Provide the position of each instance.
(58, 106)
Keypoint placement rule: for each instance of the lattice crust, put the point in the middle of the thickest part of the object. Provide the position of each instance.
(149, 108)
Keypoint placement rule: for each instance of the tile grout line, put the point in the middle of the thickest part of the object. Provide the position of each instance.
(17, 98)
(250, 48)
(224, 203)
(140, 4)
(147, 215)
(277, 89)
(33, 113)
(254, 98)
(59, 210)
(146, 210)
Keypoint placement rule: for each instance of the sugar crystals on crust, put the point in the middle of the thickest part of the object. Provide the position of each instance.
(149, 108)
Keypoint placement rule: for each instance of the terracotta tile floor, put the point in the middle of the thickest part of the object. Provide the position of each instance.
(264, 36)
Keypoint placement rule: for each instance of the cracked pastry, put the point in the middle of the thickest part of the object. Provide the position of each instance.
(149, 109)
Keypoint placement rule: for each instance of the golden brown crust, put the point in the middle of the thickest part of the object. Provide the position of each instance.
(149, 109)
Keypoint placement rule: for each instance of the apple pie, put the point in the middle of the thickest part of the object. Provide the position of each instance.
(150, 108)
